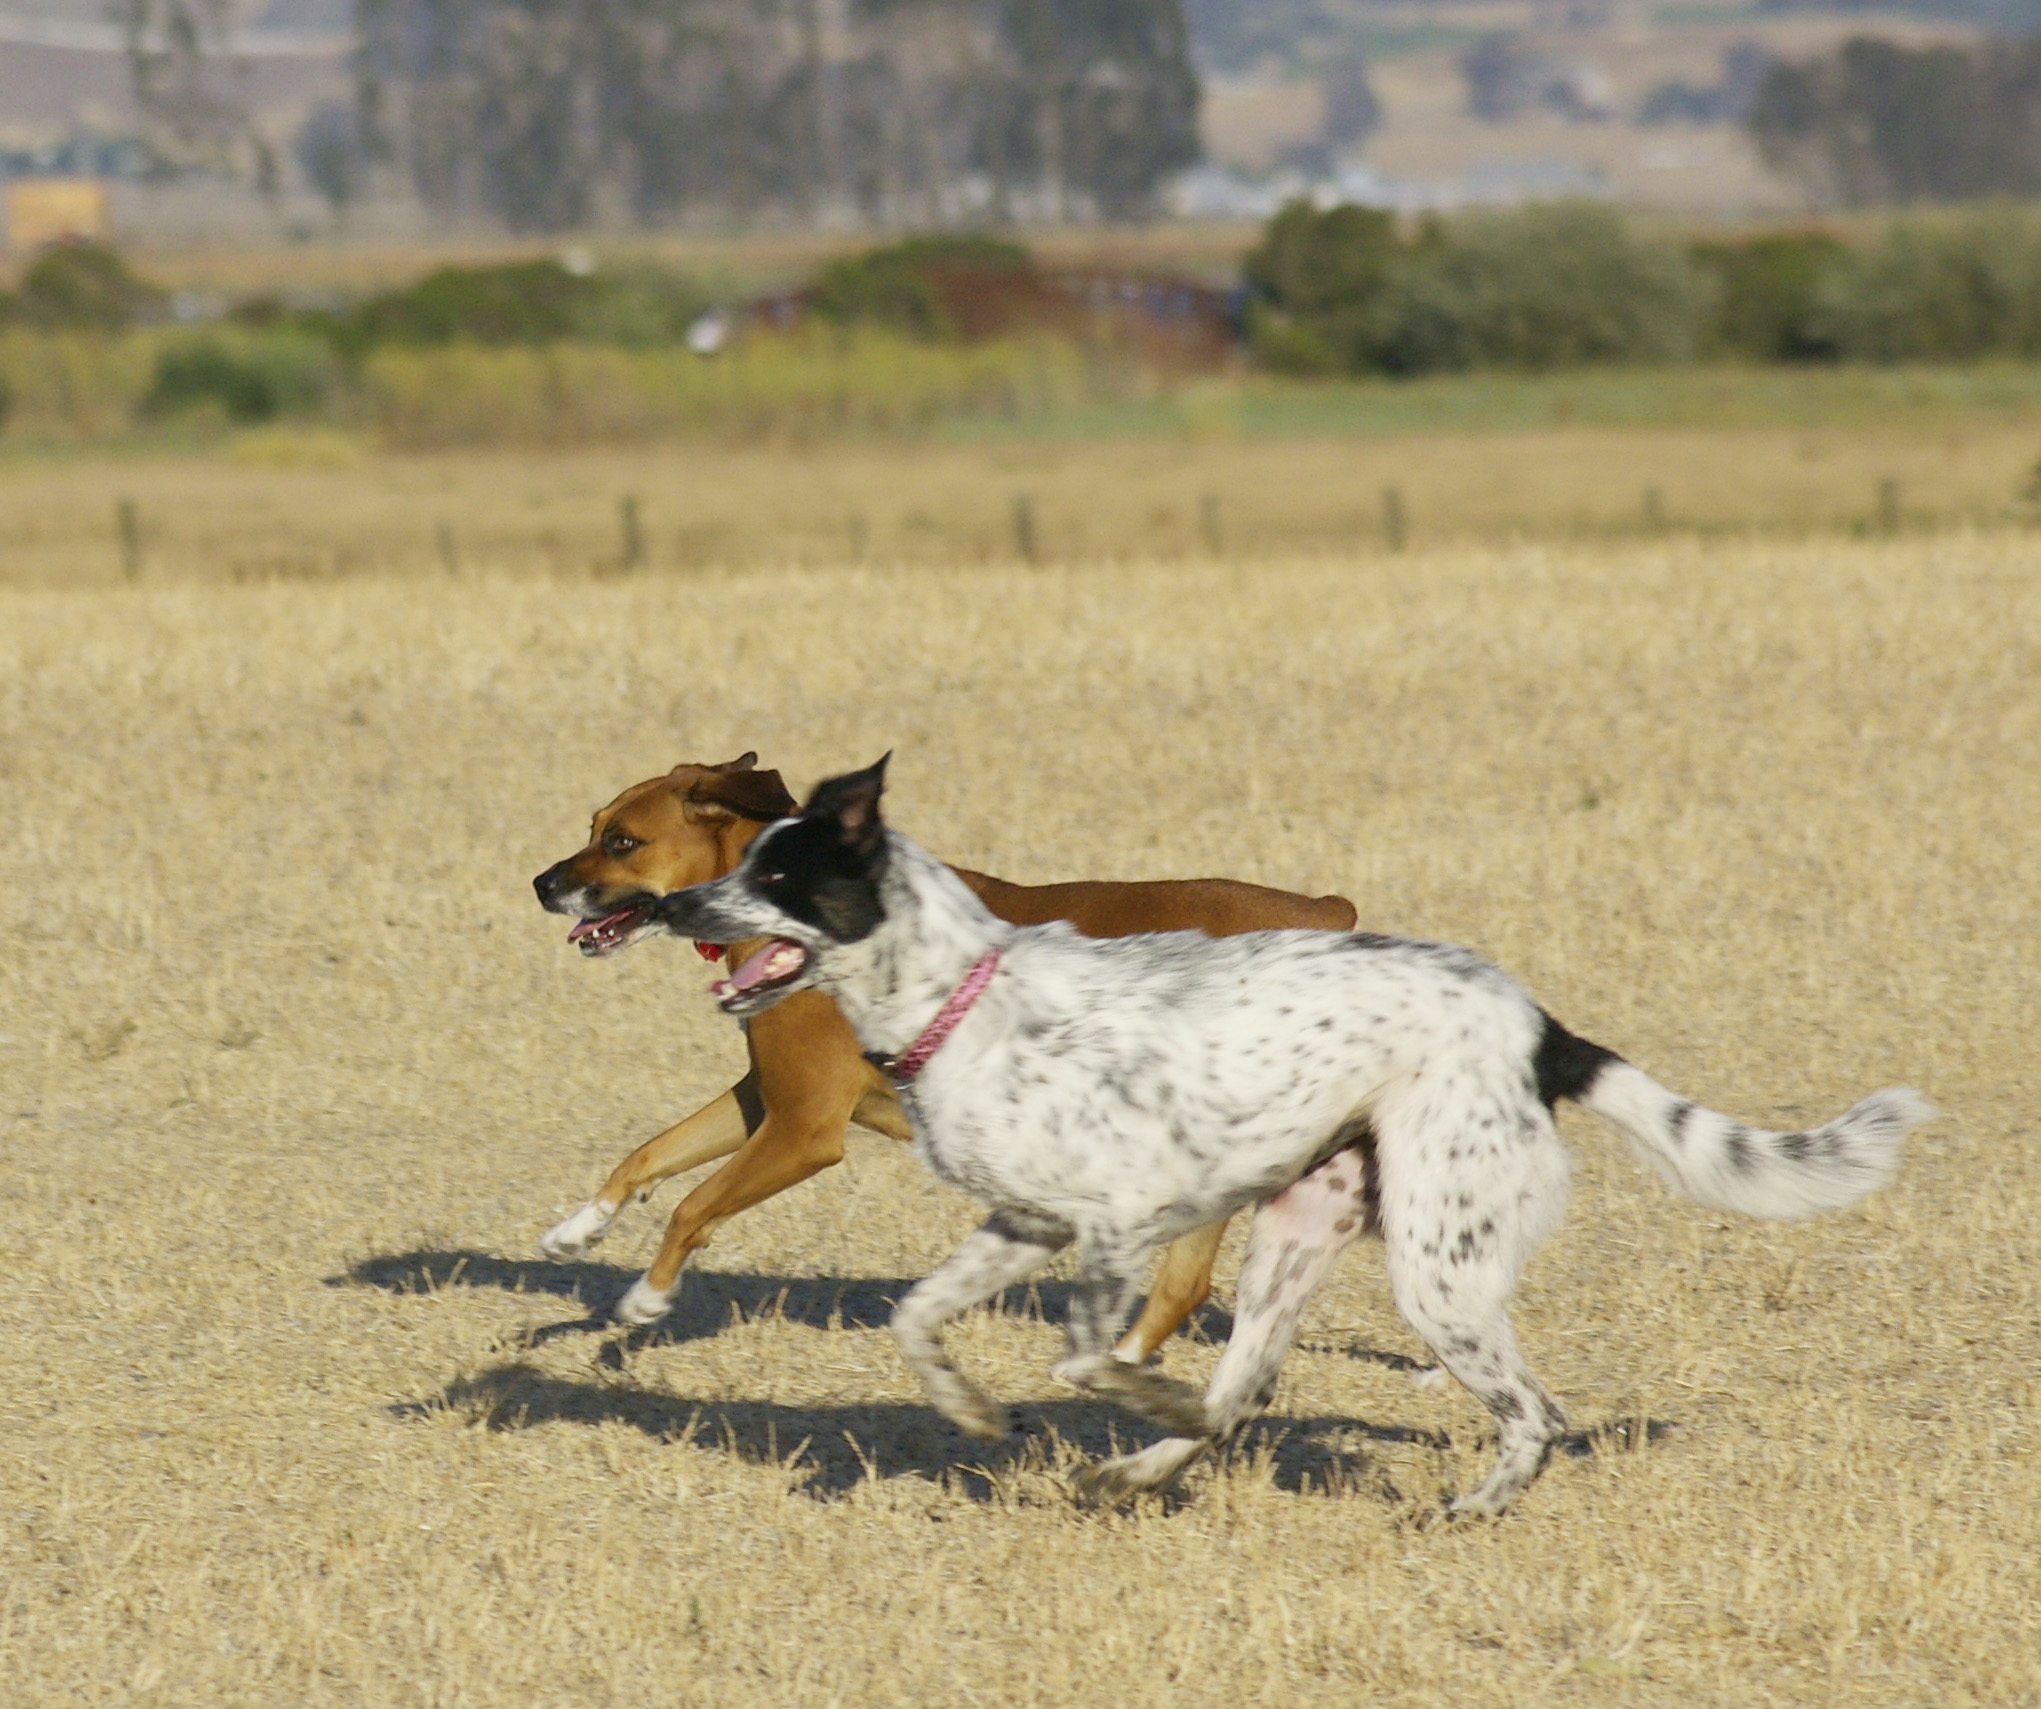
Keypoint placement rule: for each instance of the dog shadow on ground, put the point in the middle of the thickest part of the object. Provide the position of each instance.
(709, 1299)
(830, 1449)
(840, 1446)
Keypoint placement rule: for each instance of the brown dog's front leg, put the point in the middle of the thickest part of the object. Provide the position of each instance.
(715, 1130)
(1182, 1285)
(788, 1148)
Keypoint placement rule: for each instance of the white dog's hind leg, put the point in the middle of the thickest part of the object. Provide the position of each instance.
(1456, 1233)
(1292, 1244)
(1483, 1354)
(1011, 1246)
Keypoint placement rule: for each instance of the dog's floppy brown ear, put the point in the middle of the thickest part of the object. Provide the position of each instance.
(738, 789)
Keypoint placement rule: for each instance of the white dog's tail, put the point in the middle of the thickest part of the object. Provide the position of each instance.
(1720, 1162)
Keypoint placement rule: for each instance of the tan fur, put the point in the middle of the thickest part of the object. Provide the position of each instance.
(807, 1071)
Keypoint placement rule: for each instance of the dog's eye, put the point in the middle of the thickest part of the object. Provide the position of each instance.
(619, 846)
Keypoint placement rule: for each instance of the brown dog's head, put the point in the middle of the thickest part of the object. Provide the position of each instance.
(687, 827)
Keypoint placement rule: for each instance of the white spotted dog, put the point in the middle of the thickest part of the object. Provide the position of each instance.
(1114, 1094)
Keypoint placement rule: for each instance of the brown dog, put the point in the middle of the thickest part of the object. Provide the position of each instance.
(808, 1079)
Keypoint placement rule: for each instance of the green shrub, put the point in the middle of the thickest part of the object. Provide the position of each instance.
(527, 303)
(642, 306)
(248, 378)
(1337, 291)
(1314, 287)
(1546, 286)
(76, 383)
(1768, 301)
(83, 287)
(523, 302)
(1940, 288)
(901, 285)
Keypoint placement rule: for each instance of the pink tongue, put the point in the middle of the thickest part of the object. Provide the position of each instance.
(586, 926)
(755, 969)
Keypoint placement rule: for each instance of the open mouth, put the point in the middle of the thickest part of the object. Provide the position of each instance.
(769, 969)
(610, 933)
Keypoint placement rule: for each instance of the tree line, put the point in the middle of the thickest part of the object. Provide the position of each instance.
(552, 114)
(1347, 291)
(1875, 123)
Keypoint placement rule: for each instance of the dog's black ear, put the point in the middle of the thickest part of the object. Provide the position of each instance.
(738, 789)
(852, 800)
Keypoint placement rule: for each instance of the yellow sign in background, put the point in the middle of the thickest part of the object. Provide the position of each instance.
(49, 210)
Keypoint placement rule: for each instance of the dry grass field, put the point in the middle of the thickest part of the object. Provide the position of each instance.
(293, 1071)
(286, 504)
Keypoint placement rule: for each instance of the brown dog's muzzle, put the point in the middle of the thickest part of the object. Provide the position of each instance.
(549, 883)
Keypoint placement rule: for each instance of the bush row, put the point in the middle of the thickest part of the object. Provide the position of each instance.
(525, 351)
(1343, 290)
(70, 385)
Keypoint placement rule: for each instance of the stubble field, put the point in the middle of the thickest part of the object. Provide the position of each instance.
(293, 1071)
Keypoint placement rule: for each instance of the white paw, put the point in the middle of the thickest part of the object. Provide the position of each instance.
(645, 1303)
(573, 1237)
(975, 1413)
(1431, 1377)
(1081, 1370)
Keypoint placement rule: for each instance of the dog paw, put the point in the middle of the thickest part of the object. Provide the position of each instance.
(1111, 1482)
(645, 1303)
(1482, 1503)
(978, 1414)
(572, 1238)
(1105, 1484)
(1176, 1406)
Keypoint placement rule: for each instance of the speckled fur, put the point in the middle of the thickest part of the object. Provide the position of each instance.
(1111, 1095)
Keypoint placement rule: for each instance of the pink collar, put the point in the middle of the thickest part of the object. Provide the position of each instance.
(956, 1006)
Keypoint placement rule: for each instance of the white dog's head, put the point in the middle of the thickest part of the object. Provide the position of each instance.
(808, 885)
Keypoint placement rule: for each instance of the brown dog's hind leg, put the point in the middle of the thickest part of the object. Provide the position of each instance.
(1182, 1285)
(715, 1130)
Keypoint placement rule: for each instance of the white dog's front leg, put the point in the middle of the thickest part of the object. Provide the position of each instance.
(573, 1236)
(1011, 1246)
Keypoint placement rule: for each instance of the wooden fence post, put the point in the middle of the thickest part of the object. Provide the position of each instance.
(633, 532)
(128, 525)
(1024, 526)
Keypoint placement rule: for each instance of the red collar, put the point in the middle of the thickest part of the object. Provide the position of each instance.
(911, 1061)
(709, 952)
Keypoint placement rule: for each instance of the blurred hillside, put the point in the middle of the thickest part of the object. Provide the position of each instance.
(838, 115)
(1495, 100)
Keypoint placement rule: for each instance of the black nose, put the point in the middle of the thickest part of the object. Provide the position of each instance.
(547, 884)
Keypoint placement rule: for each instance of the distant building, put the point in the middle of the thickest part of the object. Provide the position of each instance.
(55, 210)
